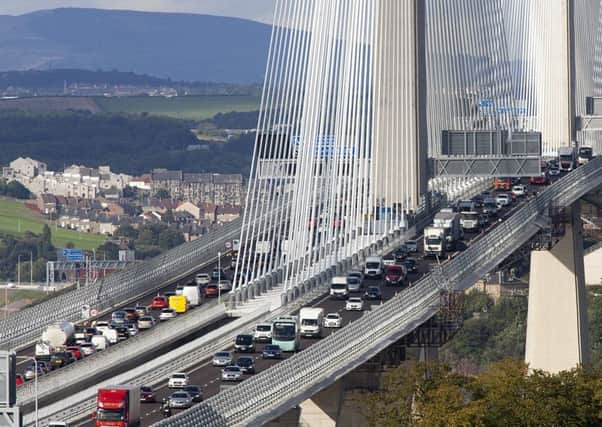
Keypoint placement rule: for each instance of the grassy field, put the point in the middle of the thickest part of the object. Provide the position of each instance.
(181, 107)
(16, 219)
(19, 294)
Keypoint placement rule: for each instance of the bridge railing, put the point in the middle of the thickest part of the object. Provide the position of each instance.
(272, 392)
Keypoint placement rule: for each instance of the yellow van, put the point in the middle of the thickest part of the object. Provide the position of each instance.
(178, 303)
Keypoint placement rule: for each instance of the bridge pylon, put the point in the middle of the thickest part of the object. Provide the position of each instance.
(557, 331)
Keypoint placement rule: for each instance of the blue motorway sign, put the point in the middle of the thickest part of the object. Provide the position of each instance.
(73, 254)
(326, 147)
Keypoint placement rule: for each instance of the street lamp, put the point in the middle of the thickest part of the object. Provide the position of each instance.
(19, 270)
(219, 277)
(35, 380)
(30, 267)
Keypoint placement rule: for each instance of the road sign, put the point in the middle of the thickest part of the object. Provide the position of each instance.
(228, 245)
(73, 254)
(485, 103)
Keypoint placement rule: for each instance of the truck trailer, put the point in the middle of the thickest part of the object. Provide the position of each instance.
(450, 222)
(118, 406)
(59, 334)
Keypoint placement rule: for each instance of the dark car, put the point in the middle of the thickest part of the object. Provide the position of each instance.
(58, 360)
(147, 394)
(122, 333)
(271, 351)
(373, 293)
(244, 343)
(395, 275)
(218, 274)
(400, 254)
(411, 265)
(194, 391)
(132, 314)
(246, 364)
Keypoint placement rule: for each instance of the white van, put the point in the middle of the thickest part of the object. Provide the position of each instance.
(100, 342)
(338, 287)
(111, 335)
(192, 294)
(311, 320)
(375, 267)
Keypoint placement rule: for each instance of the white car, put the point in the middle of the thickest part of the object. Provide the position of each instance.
(519, 190)
(333, 320)
(263, 332)
(167, 313)
(225, 285)
(231, 373)
(146, 322)
(222, 358)
(202, 279)
(178, 380)
(503, 199)
(87, 348)
(354, 304)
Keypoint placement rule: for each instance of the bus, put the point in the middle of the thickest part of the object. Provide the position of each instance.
(285, 333)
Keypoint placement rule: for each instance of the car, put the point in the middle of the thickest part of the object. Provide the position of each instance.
(542, 179)
(554, 171)
(333, 320)
(132, 329)
(263, 332)
(231, 373)
(202, 279)
(503, 199)
(167, 314)
(354, 284)
(132, 314)
(119, 317)
(356, 273)
(354, 304)
(178, 380)
(211, 290)
(400, 254)
(76, 351)
(519, 190)
(395, 275)
(30, 371)
(46, 366)
(271, 351)
(502, 183)
(246, 364)
(11, 285)
(195, 392)
(225, 285)
(147, 394)
(141, 310)
(180, 400)
(411, 265)
(222, 358)
(490, 206)
(58, 360)
(244, 343)
(122, 333)
(411, 245)
(87, 348)
(373, 293)
(217, 274)
(19, 379)
(146, 322)
(159, 302)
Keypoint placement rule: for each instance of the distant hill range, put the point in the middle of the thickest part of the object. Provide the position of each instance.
(188, 47)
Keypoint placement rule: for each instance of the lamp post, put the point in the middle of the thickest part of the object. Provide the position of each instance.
(30, 267)
(35, 380)
(19, 270)
(219, 277)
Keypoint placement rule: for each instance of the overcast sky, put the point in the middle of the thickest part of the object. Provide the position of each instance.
(258, 10)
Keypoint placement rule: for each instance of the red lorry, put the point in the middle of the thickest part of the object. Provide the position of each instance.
(118, 406)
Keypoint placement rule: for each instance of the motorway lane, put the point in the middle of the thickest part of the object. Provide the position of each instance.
(208, 377)
(146, 300)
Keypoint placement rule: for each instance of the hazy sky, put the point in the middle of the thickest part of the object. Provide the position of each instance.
(258, 10)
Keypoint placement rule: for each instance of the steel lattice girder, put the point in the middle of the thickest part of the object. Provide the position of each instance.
(486, 166)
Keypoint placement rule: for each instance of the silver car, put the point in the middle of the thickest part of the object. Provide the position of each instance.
(223, 358)
(180, 399)
(231, 373)
(146, 322)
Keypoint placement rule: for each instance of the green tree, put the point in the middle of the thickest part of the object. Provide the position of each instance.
(170, 238)
(69, 245)
(127, 231)
(162, 194)
(45, 248)
(108, 250)
(17, 190)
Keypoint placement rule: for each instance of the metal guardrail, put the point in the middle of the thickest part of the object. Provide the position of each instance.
(272, 392)
(85, 370)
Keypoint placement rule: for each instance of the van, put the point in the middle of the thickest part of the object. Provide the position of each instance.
(338, 287)
(100, 342)
(178, 303)
(111, 335)
(374, 267)
(193, 295)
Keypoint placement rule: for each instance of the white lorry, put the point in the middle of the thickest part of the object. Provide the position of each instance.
(311, 320)
(434, 241)
(470, 220)
(566, 158)
(450, 222)
(59, 334)
(43, 351)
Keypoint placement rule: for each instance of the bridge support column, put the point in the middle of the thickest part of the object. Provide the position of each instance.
(557, 332)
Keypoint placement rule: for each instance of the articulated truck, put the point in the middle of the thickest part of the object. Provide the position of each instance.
(444, 234)
(118, 406)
